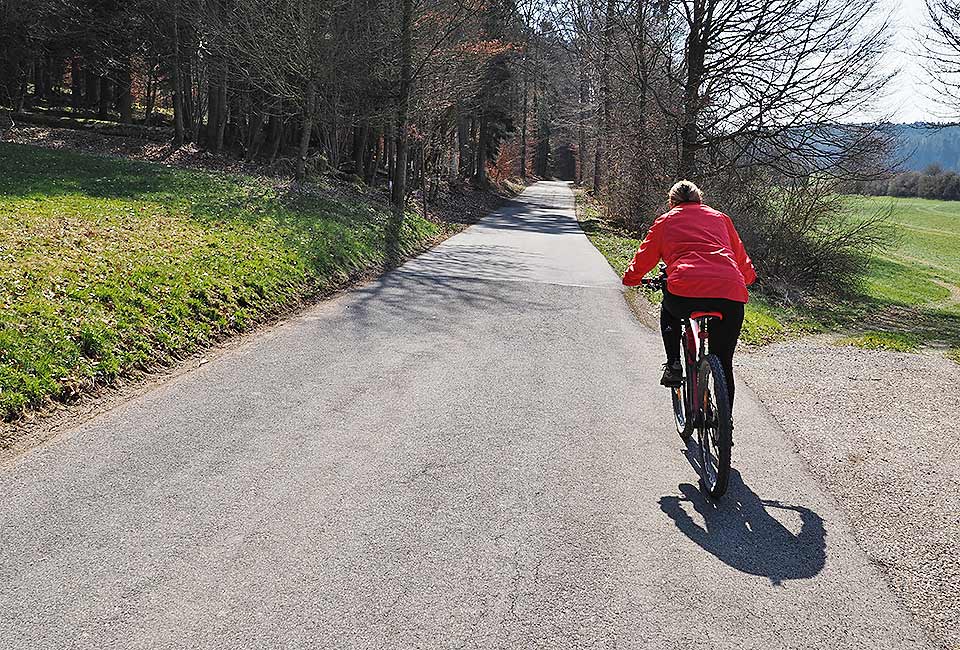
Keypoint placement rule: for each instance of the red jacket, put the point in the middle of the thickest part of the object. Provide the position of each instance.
(704, 255)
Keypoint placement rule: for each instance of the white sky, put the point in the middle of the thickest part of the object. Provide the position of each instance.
(908, 99)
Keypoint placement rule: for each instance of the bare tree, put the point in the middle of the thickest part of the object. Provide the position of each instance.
(941, 52)
(776, 82)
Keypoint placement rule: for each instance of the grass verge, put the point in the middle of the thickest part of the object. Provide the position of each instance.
(910, 297)
(109, 266)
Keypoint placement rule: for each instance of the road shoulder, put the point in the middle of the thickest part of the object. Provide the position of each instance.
(878, 429)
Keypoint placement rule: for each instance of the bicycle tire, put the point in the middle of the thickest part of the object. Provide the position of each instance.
(682, 406)
(715, 441)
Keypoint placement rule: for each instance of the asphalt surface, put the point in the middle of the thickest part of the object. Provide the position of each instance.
(470, 452)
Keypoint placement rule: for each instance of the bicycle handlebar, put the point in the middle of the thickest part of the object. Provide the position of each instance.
(656, 283)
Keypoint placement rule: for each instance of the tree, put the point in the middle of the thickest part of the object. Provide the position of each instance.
(777, 82)
(941, 52)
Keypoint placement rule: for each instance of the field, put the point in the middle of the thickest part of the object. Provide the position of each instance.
(911, 296)
(909, 299)
(109, 266)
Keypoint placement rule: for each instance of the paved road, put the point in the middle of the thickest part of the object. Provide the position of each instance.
(470, 452)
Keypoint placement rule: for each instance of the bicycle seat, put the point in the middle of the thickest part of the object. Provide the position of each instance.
(706, 314)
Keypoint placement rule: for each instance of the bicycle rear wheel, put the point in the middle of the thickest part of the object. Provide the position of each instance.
(714, 427)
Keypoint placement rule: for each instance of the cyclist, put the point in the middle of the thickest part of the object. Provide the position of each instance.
(707, 270)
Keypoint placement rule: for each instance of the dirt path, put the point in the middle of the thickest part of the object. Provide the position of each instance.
(952, 299)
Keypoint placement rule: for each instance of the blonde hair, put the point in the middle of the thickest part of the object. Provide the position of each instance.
(685, 192)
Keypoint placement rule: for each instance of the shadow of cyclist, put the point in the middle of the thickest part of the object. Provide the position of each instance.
(740, 531)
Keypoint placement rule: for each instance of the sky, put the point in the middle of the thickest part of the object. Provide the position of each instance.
(906, 101)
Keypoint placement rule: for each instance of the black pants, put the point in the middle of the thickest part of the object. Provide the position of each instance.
(723, 333)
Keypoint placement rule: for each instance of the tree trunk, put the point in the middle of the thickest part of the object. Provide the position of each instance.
(389, 153)
(374, 163)
(474, 145)
(463, 138)
(39, 78)
(213, 109)
(53, 74)
(360, 147)
(255, 139)
(603, 132)
(178, 130)
(12, 85)
(523, 126)
(276, 131)
(76, 95)
(480, 177)
(582, 126)
(643, 68)
(106, 98)
(21, 92)
(541, 159)
(91, 84)
(151, 98)
(222, 106)
(695, 54)
(420, 166)
(398, 195)
(191, 124)
(306, 129)
(125, 92)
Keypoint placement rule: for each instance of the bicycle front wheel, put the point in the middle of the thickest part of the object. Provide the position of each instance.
(714, 428)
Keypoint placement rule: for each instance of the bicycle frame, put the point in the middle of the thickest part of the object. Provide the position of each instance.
(695, 336)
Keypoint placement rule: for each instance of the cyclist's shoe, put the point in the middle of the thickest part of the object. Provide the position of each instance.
(672, 375)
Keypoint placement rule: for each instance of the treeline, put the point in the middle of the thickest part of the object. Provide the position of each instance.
(396, 91)
(920, 145)
(622, 96)
(932, 183)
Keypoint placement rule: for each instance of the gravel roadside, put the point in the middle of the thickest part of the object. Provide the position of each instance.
(881, 431)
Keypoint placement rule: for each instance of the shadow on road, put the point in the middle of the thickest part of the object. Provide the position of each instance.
(531, 218)
(741, 531)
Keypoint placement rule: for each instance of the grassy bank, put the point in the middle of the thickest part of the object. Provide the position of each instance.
(109, 266)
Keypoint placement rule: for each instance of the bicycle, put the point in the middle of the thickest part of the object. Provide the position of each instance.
(701, 402)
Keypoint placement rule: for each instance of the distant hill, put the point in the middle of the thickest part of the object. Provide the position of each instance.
(920, 145)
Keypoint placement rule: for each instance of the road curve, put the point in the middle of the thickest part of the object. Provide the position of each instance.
(471, 451)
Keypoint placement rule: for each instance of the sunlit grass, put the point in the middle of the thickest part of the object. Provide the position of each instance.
(108, 266)
(896, 341)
